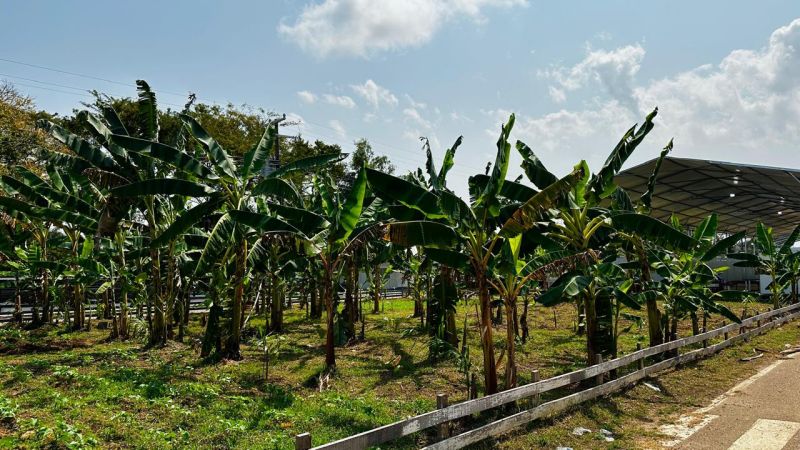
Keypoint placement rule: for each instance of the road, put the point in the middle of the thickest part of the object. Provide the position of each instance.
(761, 413)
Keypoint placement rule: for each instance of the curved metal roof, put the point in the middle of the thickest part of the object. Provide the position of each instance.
(741, 194)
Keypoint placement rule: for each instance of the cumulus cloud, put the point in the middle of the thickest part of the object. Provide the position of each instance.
(362, 27)
(374, 94)
(751, 99)
(615, 70)
(307, 97)
(743, 108)
(415, 117)
(340, 100)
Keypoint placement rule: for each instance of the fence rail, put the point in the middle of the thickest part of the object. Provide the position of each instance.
(197, 303)
(748, 327)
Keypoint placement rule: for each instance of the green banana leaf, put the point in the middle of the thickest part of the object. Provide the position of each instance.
(422, 233)
(653, 230)
(216, 154)
(187, 220)
(180, 160)
(280, 188)
(309, 164)
(349, 213)
(536, 172)
(392, 188)
(531, 211)
(164, 186)
(722, 246)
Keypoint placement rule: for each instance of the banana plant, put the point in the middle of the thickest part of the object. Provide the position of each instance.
(771, 259)
(217, 184)
(686, 276)
(329, 232)
(65, 202)
(512, 274)
(465, 236)
(112, 157)
(586, 226)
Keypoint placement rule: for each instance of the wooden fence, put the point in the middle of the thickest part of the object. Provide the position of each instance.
(440, 417)
(197, 302)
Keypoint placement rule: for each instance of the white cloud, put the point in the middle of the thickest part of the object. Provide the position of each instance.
(415, 104)
(558, 95)
(744, 108)
(374, 94)
(614, 70)
(456, 117)
(750, 100)
(362, 27)
(338, 128)
(340, 100)
(307, 97)
(415, 117)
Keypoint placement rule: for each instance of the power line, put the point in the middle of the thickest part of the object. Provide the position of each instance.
(52, 69)
(87, 94)
(81, 92)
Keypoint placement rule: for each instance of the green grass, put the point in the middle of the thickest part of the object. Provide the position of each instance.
(75, 390)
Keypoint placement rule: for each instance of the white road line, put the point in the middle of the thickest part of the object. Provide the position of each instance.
(766, 434)
(689, 424)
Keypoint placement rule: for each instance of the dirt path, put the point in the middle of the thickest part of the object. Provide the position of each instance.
(761, 413)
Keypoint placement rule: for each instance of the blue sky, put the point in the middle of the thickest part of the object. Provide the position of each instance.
(725, 74)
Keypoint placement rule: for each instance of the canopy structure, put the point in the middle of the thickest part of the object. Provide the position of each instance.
(741, 194)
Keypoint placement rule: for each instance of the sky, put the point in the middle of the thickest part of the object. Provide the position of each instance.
(725, 75)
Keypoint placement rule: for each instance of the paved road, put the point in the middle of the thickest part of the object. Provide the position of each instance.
(761, 413)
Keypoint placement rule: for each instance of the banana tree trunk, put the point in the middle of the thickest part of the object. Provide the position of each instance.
(511, 364)
(655, 334)
(327, 290)
(523, 320)
(78, 315)
(235, 332)
(158, 327)
(122, 321)
(489, 365)
(591, 330)
(348, 317)
(316, 311)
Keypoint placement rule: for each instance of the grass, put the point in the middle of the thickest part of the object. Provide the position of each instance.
(76, 390)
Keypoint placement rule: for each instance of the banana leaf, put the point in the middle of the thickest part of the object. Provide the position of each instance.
(422, 233)
(164, 186)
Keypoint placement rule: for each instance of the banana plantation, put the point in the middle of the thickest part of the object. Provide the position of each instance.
(128, 238)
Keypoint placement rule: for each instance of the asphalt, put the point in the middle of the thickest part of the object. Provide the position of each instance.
(761, 413)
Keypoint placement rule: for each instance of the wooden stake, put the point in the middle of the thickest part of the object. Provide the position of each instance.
(302, 441)
(444, 428)
(641, 361)
(599, 378)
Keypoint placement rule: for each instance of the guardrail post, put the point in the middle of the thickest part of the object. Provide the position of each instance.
(534, 379)
(302, 441)
(640, 362)
(598, 380)
(444, 428)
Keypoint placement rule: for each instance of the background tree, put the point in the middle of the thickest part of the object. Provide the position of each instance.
(21, 142)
